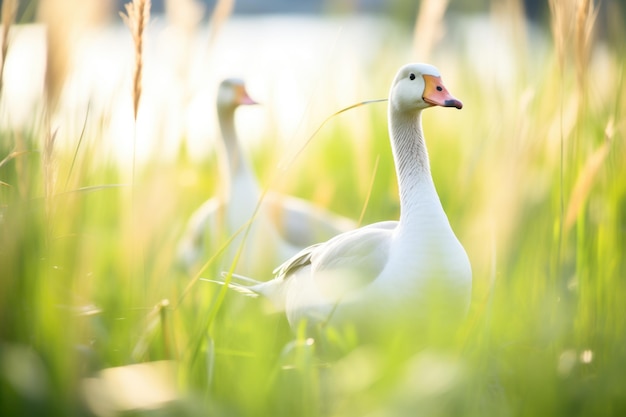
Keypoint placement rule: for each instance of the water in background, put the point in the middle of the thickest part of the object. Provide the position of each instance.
(292, 65)
(301, 68)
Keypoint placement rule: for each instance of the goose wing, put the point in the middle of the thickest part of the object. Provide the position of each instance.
(301, 223)
(348, 261)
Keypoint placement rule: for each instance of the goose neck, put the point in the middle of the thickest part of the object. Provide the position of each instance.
(415, 183)
(226, 117)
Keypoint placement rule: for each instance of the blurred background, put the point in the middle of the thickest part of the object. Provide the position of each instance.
(95, 190)
(299, 59)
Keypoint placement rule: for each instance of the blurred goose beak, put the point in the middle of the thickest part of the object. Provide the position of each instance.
(243, 98)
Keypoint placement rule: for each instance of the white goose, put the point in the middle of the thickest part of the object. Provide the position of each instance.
(388, 270)
(284, 224)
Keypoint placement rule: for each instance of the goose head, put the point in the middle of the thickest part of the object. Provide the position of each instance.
(232, 94)
(419, 86)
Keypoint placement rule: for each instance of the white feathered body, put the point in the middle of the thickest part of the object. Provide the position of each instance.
(282, 226)
(407, 272)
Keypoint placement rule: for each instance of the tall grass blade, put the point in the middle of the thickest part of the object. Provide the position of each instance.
(136, 18)
(585, 18)
(80, 141)
(284, 165)
(370, 188)
(587, 177)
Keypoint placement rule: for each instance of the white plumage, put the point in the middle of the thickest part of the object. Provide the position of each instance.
(284, 224)
(405, 270)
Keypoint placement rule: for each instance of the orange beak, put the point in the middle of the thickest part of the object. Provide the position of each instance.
(436, 94)
(243, 97)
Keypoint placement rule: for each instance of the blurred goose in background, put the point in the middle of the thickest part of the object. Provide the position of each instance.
(390, 271)
(284, 224)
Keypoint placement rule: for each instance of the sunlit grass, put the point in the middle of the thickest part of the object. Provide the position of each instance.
(531, 176)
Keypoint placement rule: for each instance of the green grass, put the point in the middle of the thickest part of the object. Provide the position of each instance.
(84, 274)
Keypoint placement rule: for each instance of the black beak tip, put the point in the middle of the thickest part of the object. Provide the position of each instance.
(454, 103)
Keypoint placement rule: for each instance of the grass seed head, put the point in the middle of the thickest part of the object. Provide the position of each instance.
(136, 18)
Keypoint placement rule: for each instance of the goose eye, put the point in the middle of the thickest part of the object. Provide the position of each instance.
(439, 88)
(411, 76)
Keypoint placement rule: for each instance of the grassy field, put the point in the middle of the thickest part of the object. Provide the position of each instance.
(95, 318)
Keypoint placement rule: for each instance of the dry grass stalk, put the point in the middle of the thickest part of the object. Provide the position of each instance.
(562, 14)
(572, 28)
(60, 23)
(136, 18)
(65, 22)
(428, 27)
(49, 170)
(21, 167)
(57, 67)
(9, 11)
(585, 18)
(587, 176)
(221, 13)
(61, 27)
